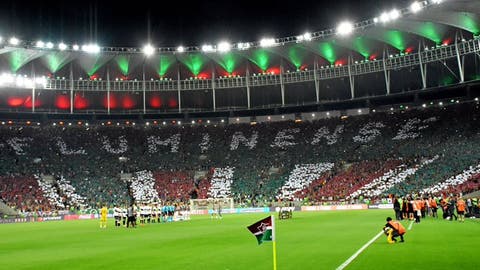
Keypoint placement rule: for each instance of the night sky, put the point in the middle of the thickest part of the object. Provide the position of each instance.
(174, 23)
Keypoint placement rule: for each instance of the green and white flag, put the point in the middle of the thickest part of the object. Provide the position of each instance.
(263, 230)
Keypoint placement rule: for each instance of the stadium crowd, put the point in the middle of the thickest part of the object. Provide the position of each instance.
(315, 161)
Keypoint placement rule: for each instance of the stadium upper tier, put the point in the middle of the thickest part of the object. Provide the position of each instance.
(427, 44)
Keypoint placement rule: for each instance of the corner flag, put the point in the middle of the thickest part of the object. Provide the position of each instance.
(264, 230)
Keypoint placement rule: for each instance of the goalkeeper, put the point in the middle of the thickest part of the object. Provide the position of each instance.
(393, 229)
(103, 217)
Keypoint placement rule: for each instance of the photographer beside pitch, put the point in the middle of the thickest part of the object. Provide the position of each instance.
(393, 229)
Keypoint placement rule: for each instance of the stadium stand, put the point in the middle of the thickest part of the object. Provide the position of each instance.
(359, 156)
(23, 194)
(176, 185)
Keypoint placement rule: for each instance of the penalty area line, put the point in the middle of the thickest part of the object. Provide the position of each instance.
(410, 226)
(355, 255)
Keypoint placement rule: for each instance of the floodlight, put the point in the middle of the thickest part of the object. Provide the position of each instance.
(394, 14)
(148, 50)
(267, 42)
(91, 48)
(62, 46)
(224, 46)
(41, 80)
(345, 28)
(416, 6)
(20, 81)
(14, 41)
(307, 36)
(180, 49)
(40, 44)
(207, 48)
(243, 45)
(76, 47)
(50, 45)
(384, 17)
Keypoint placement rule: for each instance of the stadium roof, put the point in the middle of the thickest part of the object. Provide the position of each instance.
(424, 23)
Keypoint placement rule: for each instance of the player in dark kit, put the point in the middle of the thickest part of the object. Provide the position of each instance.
(131, 216)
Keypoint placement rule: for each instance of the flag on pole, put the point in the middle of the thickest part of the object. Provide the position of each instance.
(263, 230)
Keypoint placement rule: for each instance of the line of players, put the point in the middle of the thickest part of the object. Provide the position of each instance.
(148, 213)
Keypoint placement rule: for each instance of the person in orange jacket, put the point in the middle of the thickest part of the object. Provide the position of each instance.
(432, 203)
(417, 206)
(461, 206)
(393, 229)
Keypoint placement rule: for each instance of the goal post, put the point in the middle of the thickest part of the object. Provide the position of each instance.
(207, 204)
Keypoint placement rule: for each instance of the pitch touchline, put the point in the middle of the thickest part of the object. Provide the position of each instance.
(347, 262)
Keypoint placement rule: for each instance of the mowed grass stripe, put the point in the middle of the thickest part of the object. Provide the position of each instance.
(319, 240)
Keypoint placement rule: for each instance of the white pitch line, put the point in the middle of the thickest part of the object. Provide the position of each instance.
(410, 226)
(347, 262)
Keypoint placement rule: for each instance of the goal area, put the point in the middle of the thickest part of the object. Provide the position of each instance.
(210, 203)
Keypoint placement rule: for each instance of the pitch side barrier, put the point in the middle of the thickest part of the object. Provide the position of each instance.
(48, 218)
(242, 210)
(346, 207)
(381, 206)
(209, 212)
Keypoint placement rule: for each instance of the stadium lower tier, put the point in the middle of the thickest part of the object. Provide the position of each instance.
(432, 150)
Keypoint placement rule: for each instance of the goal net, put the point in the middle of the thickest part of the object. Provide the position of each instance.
(210, 203)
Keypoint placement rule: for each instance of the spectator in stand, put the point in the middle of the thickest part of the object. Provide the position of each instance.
(391, 159)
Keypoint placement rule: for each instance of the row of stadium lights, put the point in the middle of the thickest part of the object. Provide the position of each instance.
(402, 107)
(7, 79)
(425, 105)
(20, 80)
(193, 122)
(88, 48)
(110, 123)
(344, 28)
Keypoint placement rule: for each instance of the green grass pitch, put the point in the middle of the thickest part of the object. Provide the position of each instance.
(316, 240)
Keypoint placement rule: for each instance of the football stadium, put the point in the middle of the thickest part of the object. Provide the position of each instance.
(352, 146)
